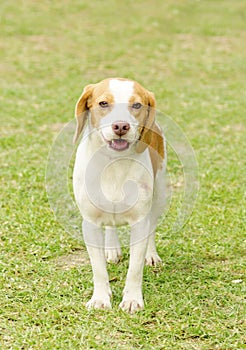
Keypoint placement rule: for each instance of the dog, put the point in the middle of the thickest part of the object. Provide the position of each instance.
(118, 179)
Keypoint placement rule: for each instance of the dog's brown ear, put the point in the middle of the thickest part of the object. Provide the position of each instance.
(146, 131)
(81, 110)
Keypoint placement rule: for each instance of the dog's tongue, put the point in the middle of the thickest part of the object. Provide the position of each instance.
(119, 144)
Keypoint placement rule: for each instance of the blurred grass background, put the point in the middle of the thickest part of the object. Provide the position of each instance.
(191, 54)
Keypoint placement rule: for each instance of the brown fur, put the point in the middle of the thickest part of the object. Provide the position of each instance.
(156, 149)
(150, 134)
(81, 110)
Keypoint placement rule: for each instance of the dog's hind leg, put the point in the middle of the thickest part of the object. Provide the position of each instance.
(112, 245)
(152, 258)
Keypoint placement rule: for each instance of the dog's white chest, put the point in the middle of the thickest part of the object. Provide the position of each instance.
(127, 181)
(116, 191)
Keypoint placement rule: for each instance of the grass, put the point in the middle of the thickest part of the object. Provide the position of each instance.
(192, 55)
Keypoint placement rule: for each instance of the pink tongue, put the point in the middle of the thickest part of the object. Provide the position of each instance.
(119, 144)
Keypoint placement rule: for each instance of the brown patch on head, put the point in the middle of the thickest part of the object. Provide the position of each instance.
(142, 95)
(101, 93)
(145, 116)
(150, 134)
(92, 95)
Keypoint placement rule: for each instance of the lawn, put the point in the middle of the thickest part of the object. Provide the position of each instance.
(191, 54)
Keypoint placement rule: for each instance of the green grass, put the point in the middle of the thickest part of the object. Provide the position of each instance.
(192, 55)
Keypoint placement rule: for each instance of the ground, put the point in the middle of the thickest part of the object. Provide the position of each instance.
(191, 54)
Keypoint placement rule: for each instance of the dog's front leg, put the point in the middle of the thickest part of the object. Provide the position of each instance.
(132, 294)
(94, 240)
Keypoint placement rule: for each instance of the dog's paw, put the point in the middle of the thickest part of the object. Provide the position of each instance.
(113, 255)
(131, 306)
(153, 259)
(98, 303)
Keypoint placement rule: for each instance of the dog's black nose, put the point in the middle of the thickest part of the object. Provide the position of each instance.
(120, 128)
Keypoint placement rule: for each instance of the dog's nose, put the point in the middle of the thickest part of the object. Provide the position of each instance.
(120, 128)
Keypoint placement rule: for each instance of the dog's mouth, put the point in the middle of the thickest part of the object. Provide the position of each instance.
(118, 144)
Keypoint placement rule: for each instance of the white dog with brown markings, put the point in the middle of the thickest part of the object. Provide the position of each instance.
(119, 179)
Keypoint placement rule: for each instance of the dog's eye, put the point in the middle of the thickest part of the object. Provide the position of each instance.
(103, 104)
(136, 105)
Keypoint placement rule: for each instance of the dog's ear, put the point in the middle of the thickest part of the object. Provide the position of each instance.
(81, 110)
(148, 122)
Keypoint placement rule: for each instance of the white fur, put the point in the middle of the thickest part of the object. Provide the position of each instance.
(121, 90)
(119, 113)
(114, 188)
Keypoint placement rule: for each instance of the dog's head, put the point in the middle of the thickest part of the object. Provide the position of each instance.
(121, 110)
